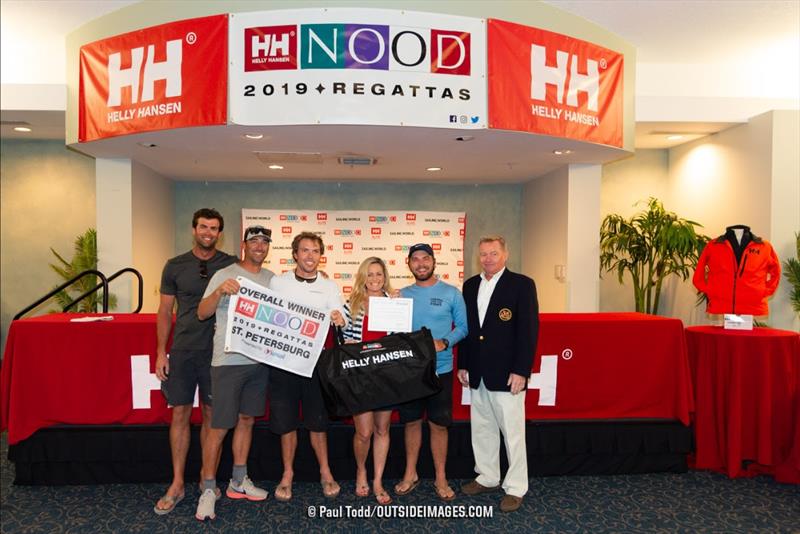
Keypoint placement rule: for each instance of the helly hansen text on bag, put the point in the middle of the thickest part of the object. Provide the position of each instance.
(394, 369)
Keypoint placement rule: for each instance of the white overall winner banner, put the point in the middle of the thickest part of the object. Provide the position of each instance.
(270, 328)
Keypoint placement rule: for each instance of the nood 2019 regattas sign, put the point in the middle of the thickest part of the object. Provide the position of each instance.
(357, 66)
(168, 76)
(547, 83)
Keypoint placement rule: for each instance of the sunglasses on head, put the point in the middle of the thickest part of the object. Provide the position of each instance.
(255, 231)
(204, 269)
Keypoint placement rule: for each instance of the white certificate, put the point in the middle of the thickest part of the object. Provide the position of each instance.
(390, 315)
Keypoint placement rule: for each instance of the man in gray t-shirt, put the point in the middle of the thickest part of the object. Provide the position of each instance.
(238, 384)
(187, 368)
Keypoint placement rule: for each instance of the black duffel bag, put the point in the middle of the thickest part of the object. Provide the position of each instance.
(360, 377)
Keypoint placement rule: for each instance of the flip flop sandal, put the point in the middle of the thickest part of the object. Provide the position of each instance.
(412, 486)
(362, 491)
(442, 493)
(283, 493)
(383, 498)
(172, 500)
(330, 489)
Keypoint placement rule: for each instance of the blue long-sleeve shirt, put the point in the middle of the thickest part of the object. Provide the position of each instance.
(441, 309)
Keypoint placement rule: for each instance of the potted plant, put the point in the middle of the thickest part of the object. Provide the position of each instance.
(84, 257)
(651, 245)
(791, 270)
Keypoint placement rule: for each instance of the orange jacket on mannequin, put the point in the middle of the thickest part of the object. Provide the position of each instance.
(738, 275)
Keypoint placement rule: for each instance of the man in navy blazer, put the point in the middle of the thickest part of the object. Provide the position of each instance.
(495, 362)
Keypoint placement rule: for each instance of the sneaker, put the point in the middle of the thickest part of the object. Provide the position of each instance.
(205, 506)
(247, 490)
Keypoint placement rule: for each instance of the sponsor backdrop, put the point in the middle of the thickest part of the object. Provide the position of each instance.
(357, 66)
(168, 76)
(352, 236)
(548, 83)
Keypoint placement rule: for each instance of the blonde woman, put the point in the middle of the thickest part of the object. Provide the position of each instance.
(372, 280)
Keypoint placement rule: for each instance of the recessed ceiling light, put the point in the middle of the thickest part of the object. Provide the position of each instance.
(22, 129)
(674, 137)
(147, 145)
(464, 138)
(562, 152)
(433, 169)
(254, 136)
(276, 167)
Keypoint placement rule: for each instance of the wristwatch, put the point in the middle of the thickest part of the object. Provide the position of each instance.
(446, 343)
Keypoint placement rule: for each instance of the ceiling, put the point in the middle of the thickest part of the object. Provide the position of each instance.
(664, 31)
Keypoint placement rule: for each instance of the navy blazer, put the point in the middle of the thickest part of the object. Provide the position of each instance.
(506, 343)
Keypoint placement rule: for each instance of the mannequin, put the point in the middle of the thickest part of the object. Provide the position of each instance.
(738, 271)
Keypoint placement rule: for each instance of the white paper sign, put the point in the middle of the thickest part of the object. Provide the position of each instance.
(270, 328)
(738, 322)
(390, 315)
(357, 66)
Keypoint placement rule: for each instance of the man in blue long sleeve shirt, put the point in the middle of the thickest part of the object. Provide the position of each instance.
(439, 307)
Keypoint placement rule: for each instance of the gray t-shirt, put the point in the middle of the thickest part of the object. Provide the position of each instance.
(185, 277)
(220, 357)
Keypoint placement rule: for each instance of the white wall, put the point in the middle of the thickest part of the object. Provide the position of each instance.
(114, 229)
(785, 212)
(583, 244)
(544, 236)
(153, 230)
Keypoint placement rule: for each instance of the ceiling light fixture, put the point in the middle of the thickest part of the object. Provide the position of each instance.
(674, 137)
(562, 152)
(22, 129)
(254, 136)
(464, 138)
(276, 167)
(147, 145)
(433, 169)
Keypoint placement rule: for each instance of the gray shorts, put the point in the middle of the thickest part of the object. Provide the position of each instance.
(188, 370)
(238, 389)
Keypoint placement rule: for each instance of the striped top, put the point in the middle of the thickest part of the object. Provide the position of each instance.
(354, 329)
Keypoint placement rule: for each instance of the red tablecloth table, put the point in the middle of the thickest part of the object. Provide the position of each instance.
(747, 401)
(603, 366)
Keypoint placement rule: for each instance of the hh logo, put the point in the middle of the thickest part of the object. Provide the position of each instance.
(436, 246)
(375, 231)
(546, 380)
(143, 73)
(286, 229)
(323, 260)
(322, 216)
(246, 307)
(565, 77)
(347, 246)
(270, 48)
(143, 382)
(411, 216)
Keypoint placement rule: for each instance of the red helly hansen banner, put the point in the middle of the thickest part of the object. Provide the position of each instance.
(168, 76)
(547, 83)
